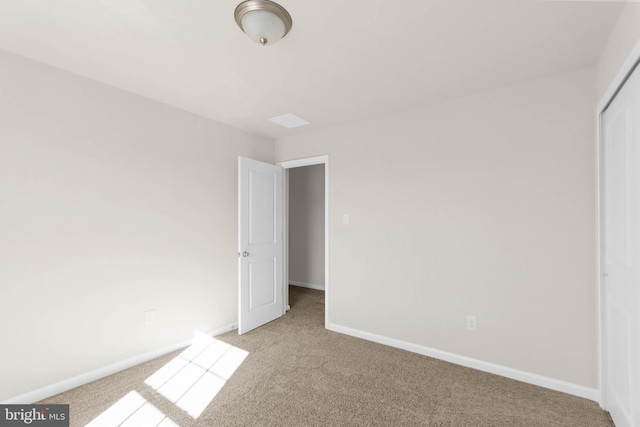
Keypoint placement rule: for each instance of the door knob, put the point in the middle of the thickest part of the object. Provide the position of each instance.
(245, 254)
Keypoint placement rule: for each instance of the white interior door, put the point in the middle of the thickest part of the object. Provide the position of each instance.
(260, 244)
(621, 254)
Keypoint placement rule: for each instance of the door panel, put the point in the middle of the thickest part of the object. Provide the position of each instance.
(262, 189)
(617, 204)
(621, 254)
(262, 284)
(619, 356)
(260, 244)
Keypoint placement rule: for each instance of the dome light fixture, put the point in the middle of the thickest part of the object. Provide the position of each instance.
(264, 21)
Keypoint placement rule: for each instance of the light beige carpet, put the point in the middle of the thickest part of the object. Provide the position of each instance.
(299, 374)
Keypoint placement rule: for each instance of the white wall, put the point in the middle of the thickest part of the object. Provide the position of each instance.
(306, 225)
(624, 37)
(483, 205)
(111, 205)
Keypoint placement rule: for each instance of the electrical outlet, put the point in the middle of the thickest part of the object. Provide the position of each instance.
(149, 317)
(471, 322)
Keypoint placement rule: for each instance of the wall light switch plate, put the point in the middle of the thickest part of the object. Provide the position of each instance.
(345, 219)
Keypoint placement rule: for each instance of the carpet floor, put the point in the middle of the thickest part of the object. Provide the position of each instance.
(297, 373)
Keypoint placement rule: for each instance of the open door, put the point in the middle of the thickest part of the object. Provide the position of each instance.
(260, 244)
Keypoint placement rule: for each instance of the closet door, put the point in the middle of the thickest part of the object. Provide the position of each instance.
(621, 254)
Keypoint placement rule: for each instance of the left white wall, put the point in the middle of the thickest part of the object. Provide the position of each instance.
(111, 205)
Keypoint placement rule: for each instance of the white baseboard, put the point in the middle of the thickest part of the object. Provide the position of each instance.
(306, 285)
(82, 379)
(527, 377)
(535, 379)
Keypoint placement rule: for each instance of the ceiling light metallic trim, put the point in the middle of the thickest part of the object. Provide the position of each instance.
(249, 6)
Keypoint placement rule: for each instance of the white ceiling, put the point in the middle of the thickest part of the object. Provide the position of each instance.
(343, 59)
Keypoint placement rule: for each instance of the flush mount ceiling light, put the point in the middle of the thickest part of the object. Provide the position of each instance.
(264, 21)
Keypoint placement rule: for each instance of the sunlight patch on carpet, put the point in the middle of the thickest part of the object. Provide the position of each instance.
(190, 381)
(132, 410)
(193, 378)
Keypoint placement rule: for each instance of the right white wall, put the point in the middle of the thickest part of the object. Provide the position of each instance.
(483, 205)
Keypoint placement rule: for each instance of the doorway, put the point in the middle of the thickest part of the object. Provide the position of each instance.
(307, 226)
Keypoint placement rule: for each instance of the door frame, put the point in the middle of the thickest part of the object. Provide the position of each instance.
(633, 60)
(290, 164)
